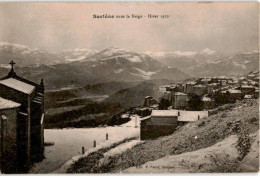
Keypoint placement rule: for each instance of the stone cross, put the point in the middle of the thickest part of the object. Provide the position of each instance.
(12, 63)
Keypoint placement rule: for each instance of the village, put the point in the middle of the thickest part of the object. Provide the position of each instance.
(192, 100)
(24, 139)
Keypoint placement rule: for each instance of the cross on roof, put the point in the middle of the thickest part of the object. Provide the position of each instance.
(12, 63)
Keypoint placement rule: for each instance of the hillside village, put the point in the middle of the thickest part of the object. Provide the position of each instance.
(210, 90)
(192, 100)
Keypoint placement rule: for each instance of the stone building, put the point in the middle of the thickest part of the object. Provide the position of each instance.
(161, 122)
(200, 90)
(21, 116)
(208, 103)
(164, 122)
(189, 87)
(149, 100)
(180, 100)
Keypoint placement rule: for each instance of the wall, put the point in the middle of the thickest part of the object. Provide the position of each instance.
(199, 90)
(155, 127)
(9, 140)
(180, 101)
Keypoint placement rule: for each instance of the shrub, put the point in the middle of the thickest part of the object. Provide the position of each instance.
(243, 145)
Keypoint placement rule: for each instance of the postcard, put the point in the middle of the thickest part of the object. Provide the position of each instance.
(129, 87)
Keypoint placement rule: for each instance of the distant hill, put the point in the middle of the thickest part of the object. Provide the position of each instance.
(209, 62)
(134, 96)
(24, 55)
(72, 55)
(236, 65)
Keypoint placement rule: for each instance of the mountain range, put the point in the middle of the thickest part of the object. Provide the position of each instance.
(209, 62)
(79, 67)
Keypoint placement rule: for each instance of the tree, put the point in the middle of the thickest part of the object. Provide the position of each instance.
(221, 98)
(195, 102)
(164, 104)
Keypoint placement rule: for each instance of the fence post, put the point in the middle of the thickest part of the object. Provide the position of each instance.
(198, 117)
(106, 136)
(94, 144)
(83, 150)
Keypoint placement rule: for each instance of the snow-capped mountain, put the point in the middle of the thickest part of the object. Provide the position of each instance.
(76, 54)
(24, 55)
(236, 65)
(184, 60)
(112, 64)
(119, 64)
(206, 51)
(210, 63)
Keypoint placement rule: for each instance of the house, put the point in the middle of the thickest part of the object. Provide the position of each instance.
(199, 90)
(189, 87)
(180, 100)
(232, 94)
(208, 103)
(246, 89)
(248, 96)
(180, 87)
(148, 101)
(205, 81)
(22, 116)
(251, 76)
(167, 95)
(161, 123)
(210, 88)
(164, 122)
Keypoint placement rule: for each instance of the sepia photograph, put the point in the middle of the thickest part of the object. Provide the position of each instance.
(129, 88)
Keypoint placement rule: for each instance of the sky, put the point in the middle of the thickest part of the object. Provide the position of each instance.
(223, 27)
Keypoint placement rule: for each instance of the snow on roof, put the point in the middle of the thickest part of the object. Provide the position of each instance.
(180, 94)
(200, 86)
(165, 113)
(192, 83)
(251, 75)
(145, 118)
(8, 104)
(18, 85)
(234, 91)
(246, 86)
(207, 99)
(248, 96)
(191, 116)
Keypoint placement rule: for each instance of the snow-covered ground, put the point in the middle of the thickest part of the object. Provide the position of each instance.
(121, 148)
(190, 162)
(69, 143)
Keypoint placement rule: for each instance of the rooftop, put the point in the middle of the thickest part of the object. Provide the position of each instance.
(180, 94)
(8, 104)
(18, 85)
(168, 113)
(200, 86)
(234, 91)
(207, 99)
(192, 83)
(191, 116)
(246, 86)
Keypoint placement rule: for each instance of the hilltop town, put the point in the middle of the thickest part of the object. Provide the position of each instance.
(211, 91)
(192, 100)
